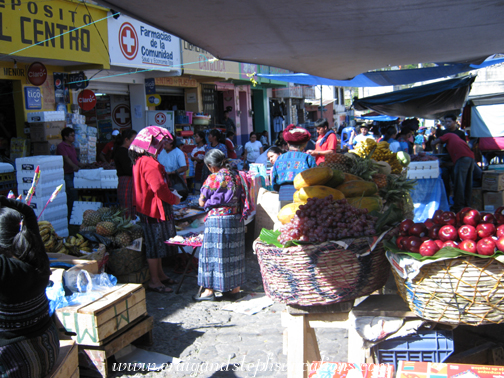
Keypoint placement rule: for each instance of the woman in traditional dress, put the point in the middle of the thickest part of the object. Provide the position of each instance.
(154, 202)
(29, 343)
(198, 154)
(125, 188)
(222, 255)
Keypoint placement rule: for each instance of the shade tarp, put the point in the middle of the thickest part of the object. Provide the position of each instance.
(385, 78)
(335, 39)
(487, 121)
(379, 118)
(431, 101)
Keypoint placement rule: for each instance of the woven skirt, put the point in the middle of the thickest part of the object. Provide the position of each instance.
(156, 232)
(126, 195)
(222, 256)
(32, 358)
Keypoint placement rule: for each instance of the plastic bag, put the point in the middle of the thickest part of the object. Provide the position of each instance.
(56, 296)
(81, 281)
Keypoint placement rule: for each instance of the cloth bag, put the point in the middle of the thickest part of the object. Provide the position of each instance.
(178, 183)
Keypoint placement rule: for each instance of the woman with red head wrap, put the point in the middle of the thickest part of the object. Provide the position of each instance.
(288, 165)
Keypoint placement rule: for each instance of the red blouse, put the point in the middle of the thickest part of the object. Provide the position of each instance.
(151, 188)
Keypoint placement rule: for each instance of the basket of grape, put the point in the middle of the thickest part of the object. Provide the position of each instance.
(327, 253)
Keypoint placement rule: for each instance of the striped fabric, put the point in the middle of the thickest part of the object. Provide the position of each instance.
(222, 255)
(126, 195)
(31, 358)
(156, 232)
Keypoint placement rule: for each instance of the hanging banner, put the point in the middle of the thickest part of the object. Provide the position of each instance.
(138, 45)
(150, 86)
(61, 92)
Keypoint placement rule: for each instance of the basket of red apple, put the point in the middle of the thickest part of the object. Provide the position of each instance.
(450, 269)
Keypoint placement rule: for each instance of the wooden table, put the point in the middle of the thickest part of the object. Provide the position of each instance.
(194, 246)
(300, 342)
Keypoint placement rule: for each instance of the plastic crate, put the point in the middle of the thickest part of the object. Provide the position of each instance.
(427, 346)
(181, 119)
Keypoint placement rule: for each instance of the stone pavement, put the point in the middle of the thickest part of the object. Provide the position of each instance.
(212, 342)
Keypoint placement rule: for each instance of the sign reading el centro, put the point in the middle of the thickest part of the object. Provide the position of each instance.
(53, 30)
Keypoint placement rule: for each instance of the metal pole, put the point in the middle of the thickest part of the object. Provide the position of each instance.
(321, 104)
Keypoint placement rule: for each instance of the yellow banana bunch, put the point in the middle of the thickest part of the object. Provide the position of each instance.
(364, 148)
(77, 243)
(383, 153)
(52, 242)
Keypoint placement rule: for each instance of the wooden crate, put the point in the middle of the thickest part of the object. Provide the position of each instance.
(93, 359)
(67, 364)
(92, 323)
(90, 265)
(142, 276)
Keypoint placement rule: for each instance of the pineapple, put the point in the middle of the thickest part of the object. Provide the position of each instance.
(337, 161)
(123, 239)
(106, 228)
(136, 232)
(398, 191)
(91, 218)
(103, 210)
(380, 180)
(85, 228)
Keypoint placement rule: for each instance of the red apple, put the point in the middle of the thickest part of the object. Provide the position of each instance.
(428, 248)
(486, 246)
(413, 244)
(500, 244)
(467, 232)
(436, 218)
(471, 217)
(439, 243)
(417, 229)
(499, 215)
(429, 223)
(434, 231)
(485, 230)
(450, 243)
(461, 213)
(500, 231)
(399, 241)
(449, 217)
(468, 246)
(405, 225)
(448, 232)
(487, 218)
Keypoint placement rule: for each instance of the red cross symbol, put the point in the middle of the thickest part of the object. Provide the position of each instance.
(128, 41)
(122, 115)
(160, 118)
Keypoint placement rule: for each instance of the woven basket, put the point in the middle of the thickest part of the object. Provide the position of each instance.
(124, 261)
(463, 290)
(322, 274)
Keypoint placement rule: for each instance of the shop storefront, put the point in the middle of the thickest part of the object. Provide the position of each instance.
(41, 42)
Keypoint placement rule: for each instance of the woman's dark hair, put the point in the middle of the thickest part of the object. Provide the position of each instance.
(216, 158)
(128, 134)
(66, 132)
(16, 240)
(202, 135)
(229, 134)
(389, 133)
(134, 156)
(275, 150)
(217, 134)
(253, 133)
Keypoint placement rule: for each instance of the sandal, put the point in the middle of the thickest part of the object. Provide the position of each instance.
(160, 289)
(169, 281)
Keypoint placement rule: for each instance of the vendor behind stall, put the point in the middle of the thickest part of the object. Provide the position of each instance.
(327, 141)
(288, 165)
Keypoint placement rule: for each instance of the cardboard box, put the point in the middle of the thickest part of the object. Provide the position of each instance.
(493, 200)
(408, 369)
(92, 323)
(477, 199)
(348, 370)
(44, 131)
(45, 148)
(493, 181)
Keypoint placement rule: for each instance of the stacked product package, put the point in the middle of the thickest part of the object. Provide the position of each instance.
(85, 138)
(51, 176)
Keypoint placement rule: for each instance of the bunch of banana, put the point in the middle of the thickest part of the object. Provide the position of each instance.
(75, 244)
(364, 148)
(52, 242)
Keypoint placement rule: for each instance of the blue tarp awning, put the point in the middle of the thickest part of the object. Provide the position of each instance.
(431, 101)
(385, 78)
(380, 118)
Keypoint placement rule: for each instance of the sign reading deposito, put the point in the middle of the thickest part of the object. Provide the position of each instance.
(54, 30)
(86, 99)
